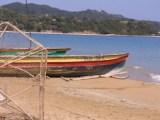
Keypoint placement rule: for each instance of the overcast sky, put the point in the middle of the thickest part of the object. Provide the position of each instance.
(138, 9)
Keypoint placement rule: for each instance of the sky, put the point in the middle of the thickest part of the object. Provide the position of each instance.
(137, 9)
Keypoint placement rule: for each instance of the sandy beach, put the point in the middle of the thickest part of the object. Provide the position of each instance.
(92, 99)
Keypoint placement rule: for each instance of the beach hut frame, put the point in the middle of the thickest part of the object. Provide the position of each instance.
(42, 53)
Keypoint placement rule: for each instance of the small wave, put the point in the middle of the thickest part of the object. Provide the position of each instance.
(155, 76)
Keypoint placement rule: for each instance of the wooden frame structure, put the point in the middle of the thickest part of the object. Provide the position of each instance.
(42, 53)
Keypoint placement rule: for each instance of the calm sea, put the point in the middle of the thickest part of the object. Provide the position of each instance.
(144, 51)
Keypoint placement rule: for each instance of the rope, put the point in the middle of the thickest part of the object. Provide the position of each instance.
(122, 73)
(114, 73)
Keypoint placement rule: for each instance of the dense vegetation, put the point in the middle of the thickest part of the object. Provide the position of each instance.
(43, 17)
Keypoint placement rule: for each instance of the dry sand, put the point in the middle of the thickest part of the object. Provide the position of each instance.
(93, 99)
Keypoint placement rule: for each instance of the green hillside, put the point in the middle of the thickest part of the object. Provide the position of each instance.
(43, 17)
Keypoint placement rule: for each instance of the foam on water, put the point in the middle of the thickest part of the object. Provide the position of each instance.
(155, 77)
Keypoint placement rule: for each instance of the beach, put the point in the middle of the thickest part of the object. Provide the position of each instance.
(91, 99)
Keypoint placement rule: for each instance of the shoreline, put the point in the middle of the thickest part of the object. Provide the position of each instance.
(90, 34)
(85, 34)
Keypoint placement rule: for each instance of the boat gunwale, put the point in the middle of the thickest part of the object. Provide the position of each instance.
(74, 61)
(27, 49)
(71, 64)
(74, 56)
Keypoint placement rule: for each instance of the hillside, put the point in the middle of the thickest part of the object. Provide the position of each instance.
(34, 9)
(44, 17)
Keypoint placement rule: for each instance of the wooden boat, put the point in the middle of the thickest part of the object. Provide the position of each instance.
(18, 51)
(68, 66)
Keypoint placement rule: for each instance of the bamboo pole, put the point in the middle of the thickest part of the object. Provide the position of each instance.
(3, 31)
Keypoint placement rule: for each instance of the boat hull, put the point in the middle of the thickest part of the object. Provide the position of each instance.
(83, 71)
(69, 67)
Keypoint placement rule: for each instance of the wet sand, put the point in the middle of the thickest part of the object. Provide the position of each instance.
(92, 99)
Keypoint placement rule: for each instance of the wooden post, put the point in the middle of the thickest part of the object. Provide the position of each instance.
(41, 99)
(43, 68)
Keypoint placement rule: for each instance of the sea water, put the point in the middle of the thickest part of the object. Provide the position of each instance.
(144, 51)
